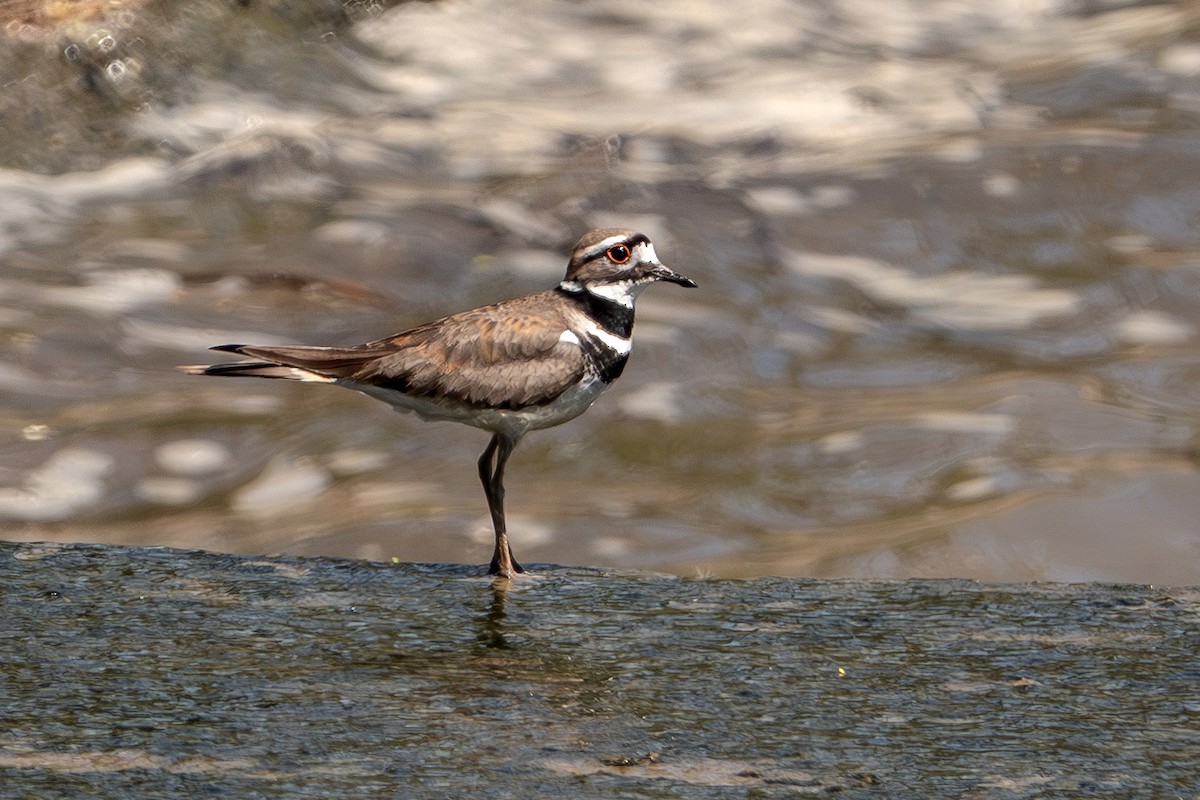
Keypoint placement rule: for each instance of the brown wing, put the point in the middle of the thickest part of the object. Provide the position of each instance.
(507, 355)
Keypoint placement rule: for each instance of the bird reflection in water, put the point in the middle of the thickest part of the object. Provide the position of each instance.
(492, 627)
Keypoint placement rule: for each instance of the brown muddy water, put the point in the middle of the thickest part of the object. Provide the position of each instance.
(948, 255)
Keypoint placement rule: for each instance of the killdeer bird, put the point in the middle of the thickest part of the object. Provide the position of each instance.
(509, 368)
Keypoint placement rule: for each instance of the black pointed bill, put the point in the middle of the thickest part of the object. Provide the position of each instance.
(670, 276)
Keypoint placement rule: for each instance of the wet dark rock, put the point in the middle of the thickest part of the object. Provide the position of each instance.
(153, 672)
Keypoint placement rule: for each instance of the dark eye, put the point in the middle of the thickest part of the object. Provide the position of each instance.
(619, 253)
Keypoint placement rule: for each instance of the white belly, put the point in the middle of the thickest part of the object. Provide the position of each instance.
(567, 406)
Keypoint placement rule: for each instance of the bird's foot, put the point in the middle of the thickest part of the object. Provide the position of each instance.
(505, 567)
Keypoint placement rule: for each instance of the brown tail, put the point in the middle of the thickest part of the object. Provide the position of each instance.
(255, 369)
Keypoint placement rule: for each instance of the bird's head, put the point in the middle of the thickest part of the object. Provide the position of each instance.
(616, 265)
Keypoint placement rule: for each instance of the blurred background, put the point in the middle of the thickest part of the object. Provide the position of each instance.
(948, 253)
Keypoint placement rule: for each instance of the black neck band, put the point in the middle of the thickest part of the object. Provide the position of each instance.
(612, 317)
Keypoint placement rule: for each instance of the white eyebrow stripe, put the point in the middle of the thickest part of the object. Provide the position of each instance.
(600, 247)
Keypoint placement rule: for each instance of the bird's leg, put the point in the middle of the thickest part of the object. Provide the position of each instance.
(491, 474)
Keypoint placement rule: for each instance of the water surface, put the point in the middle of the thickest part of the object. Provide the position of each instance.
(947, 254)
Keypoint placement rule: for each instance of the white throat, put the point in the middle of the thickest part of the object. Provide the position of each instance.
(623, 293)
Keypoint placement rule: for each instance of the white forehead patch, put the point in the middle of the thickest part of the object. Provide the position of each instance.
(645, 254)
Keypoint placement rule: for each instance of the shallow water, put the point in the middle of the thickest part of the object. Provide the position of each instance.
(947, 254)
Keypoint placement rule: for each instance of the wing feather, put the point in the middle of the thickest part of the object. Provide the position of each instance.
(508, 355)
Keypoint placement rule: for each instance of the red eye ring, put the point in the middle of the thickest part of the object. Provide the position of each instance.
(619, 254)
